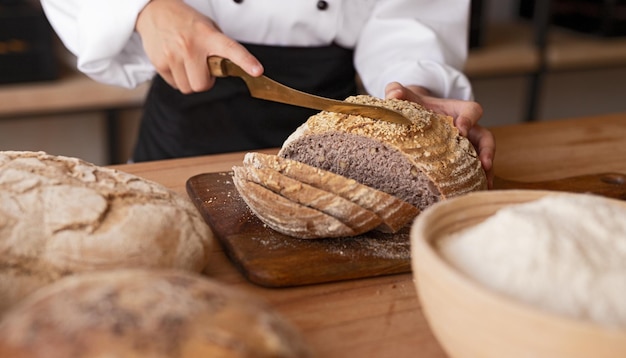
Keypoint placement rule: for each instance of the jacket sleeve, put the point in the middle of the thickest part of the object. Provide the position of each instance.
(101, 35)
(416, 42)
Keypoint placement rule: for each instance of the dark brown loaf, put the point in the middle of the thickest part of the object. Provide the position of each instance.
(145, 313)
(420, 164)
(61, 215)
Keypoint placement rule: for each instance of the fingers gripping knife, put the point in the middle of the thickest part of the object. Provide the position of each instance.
(264, 88)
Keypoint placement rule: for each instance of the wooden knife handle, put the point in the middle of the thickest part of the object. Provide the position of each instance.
(217, 66)
(612, 185)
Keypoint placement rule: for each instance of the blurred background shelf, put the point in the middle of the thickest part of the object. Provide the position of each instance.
(560, 58)
(568, 50)
(72, 115)
(523, 70)
(71, 92)
(507, 50)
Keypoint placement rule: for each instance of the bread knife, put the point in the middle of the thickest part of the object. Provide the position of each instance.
(265, 88)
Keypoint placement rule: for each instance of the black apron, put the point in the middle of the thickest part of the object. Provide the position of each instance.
(227, 119)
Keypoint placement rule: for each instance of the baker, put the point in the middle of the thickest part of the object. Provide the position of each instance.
(406, 49)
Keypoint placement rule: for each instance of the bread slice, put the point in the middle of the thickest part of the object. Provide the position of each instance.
(356, 217)
(420, 164)
(394, 213)
(286, 216)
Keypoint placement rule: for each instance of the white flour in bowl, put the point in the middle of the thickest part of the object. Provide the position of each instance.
(562, 253)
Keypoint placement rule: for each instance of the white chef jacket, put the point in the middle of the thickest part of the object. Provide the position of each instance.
(414, 42)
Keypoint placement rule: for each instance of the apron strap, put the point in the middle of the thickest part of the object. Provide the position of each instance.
(227, 119)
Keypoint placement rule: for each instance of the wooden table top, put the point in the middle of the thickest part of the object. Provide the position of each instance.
(382, 317)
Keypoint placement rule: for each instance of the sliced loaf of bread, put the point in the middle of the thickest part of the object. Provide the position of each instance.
(387, 169)
(393, 212)
(285, 215)
(421, 164)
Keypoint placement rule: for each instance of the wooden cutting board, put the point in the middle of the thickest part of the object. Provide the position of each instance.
(270, 259)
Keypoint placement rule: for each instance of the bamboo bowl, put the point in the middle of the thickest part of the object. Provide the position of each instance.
(472, 321)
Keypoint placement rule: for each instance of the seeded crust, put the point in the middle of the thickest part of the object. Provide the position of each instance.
(61, 215)
(394, 213)
(146, 313)
(420, 164)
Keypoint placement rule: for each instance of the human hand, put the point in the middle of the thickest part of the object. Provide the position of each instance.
(178, 39)
(465, 113)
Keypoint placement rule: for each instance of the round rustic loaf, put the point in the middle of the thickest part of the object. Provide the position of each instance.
(421, 164)
(145, 313)
(61, 215)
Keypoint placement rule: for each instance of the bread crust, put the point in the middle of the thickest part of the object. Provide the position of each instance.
(389, 169)
(146, 313)
(61, 215)
(432, 145)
